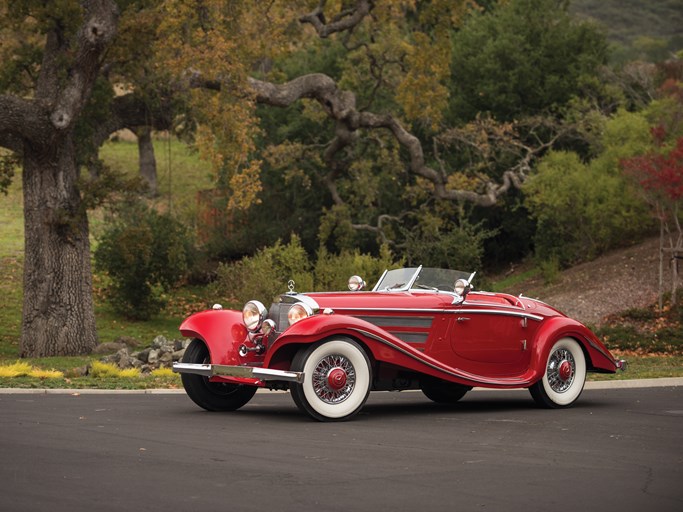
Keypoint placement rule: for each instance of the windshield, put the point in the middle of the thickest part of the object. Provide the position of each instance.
(420, 278)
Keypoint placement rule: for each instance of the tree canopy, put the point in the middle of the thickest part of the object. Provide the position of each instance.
(356, 123)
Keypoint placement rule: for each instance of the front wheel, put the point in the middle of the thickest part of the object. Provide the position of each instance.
(337, 378)
(564, 377)
(212, 396)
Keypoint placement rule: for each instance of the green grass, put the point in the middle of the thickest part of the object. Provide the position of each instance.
(180, 172)
(645, 367)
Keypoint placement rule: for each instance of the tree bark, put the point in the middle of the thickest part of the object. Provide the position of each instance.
(148, 163)
(58, 311)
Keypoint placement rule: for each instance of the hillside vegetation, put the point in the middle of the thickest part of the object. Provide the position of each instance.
(641, 28)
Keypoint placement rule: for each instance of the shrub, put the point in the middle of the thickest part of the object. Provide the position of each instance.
(332, 271)
(446, 239)
(582, 210)
(18, 369)
(265, 274)
(46, 374)
(144, 253)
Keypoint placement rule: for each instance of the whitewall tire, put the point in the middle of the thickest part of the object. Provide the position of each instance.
(564, 375)
(337, 379)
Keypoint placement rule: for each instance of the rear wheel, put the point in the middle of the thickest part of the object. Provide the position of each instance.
(441, 391)
(564, 377)
(337, 378)
(212, 396)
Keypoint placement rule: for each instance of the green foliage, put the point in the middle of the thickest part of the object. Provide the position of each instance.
(144, 253)
(332, 271)
(266, 274)
(443, 237)
(550, 269)
(581, 209)
(638, 30)
(8, 164)
(523, 58)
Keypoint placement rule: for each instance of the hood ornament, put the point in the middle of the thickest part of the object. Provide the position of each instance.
(290, 285)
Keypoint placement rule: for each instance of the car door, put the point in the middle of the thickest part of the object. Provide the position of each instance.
(490, 340)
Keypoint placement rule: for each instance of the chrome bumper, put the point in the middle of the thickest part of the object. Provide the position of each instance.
(622, 365)
(244, 372)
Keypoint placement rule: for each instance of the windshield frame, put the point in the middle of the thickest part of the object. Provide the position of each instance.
(426, 279)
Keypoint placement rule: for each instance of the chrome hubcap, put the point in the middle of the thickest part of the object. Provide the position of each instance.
(334, 378)
(561, 370)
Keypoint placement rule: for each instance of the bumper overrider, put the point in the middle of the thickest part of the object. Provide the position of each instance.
(243, 372)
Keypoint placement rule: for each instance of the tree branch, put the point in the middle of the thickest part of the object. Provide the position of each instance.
(340, 105)
(348, 19)
(21, 119)
(97, 31)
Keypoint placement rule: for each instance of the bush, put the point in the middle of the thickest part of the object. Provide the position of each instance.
(582, 210)
(144, 253)
(446, 239)
(332, 271)
(265, 275)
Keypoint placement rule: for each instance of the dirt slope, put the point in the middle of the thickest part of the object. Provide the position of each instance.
(623, 279)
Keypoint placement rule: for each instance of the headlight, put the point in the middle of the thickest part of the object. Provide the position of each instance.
(356, 283)
(298, 312)
(253, 315)
(460, 287)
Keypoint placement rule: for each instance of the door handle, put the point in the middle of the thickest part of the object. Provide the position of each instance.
(461, 319)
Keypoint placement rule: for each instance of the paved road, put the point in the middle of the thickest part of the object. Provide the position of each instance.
(617, 449)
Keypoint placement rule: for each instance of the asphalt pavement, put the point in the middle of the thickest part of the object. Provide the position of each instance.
(619, 448)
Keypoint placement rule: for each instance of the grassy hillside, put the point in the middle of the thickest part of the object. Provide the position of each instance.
(626, 20)
(639, 30)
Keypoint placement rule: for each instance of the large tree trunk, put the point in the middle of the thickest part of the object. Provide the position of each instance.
(58, 316)
(148, 163)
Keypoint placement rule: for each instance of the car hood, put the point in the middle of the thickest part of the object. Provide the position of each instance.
(412, 300)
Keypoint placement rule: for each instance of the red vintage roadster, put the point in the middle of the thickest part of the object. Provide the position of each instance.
(419, 328)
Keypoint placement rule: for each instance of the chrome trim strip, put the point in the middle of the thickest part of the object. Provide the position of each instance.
(374, 288)
(604, 352)
(520, 314)
(244, 372)
(412, 281)
(463, 375)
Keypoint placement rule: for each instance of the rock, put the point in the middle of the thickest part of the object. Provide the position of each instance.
(129, 341)
(153, 356)
(143, 355)
(159, 342)
(108, 347)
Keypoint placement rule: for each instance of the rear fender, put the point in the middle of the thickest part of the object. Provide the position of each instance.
(222, 331)
(598, 357)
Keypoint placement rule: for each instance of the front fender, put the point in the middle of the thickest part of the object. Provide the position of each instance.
(221, 330)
